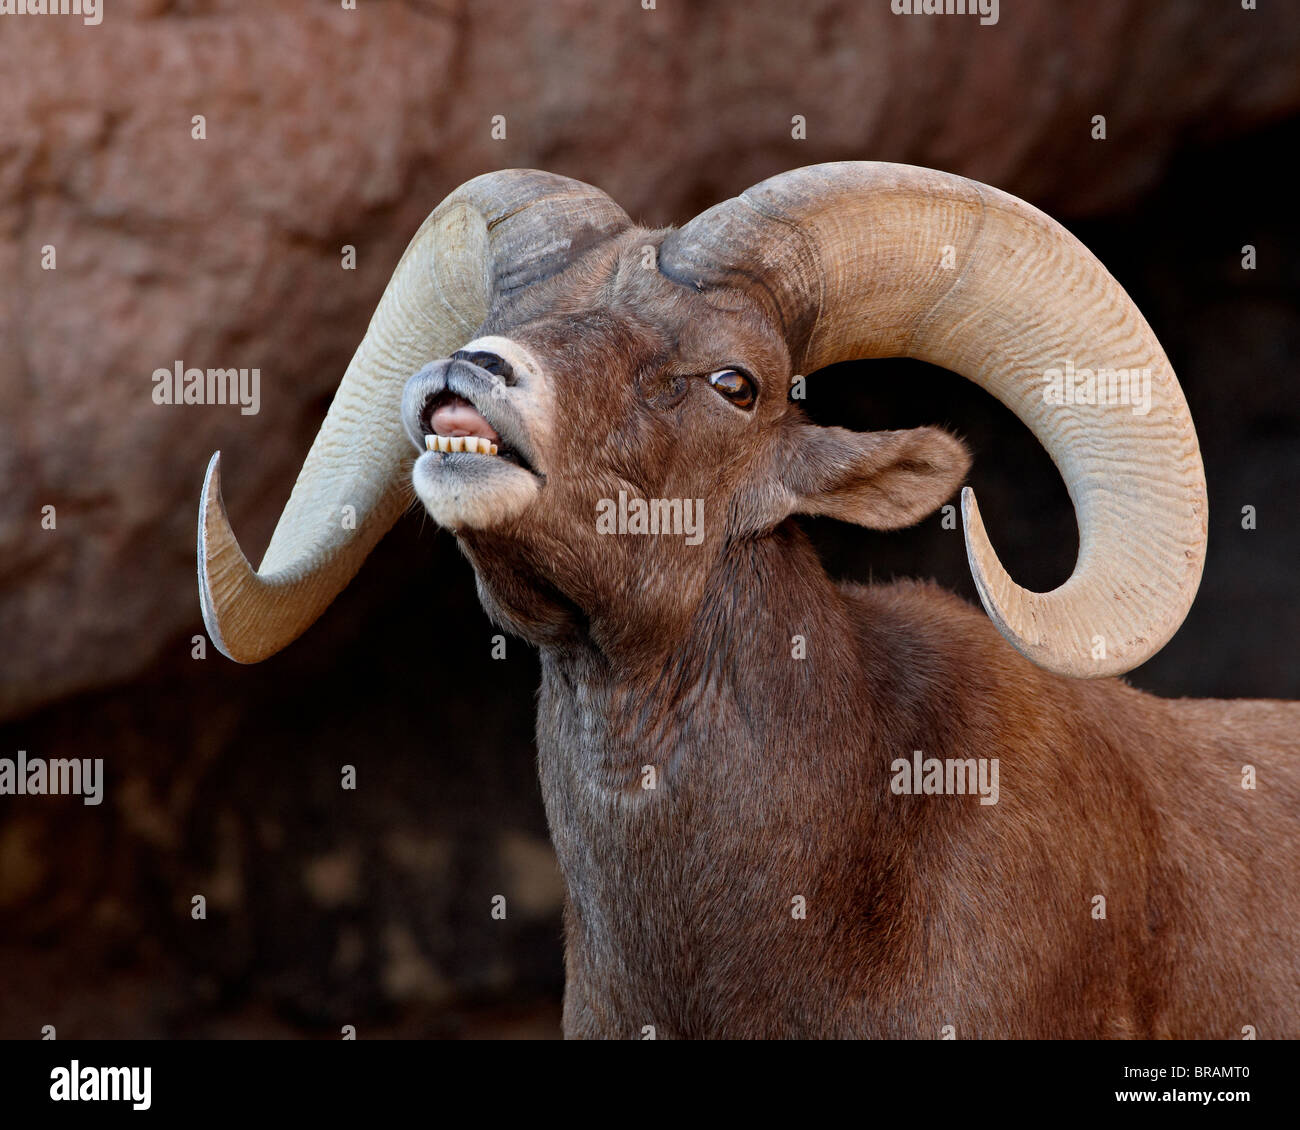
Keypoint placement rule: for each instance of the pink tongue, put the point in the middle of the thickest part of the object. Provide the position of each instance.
(459, 417)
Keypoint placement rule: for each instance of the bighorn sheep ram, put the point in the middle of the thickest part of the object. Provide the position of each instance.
(542, 353)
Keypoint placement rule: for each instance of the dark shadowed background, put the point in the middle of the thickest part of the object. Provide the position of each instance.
(327, 127)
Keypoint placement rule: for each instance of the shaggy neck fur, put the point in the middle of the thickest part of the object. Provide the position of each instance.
(666, 901)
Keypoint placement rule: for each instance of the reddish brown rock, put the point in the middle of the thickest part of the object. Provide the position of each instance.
(327, 127)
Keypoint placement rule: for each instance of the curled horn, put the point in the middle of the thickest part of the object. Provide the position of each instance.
(493, 235)
(866, 259)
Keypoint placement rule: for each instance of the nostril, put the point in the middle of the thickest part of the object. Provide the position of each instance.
(493, 363)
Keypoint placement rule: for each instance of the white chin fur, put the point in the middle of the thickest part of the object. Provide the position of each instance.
(475, 496)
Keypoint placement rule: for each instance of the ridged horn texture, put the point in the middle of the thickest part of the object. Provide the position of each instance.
(866, 259)
(493, 235)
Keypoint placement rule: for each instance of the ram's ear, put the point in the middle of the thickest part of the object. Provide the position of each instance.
(884, 480)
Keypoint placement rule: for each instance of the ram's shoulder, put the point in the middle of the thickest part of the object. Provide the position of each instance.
(920, 601)
(927, 628)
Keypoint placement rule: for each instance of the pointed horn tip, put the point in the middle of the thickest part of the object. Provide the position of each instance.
(978, 550)
(214, 524)
(1073, 663)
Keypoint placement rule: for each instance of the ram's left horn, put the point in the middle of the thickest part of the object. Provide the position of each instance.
(495, 233)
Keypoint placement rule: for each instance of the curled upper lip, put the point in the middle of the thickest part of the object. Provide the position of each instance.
(478, 386)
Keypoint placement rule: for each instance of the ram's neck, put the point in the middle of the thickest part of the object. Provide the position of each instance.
(770, 636)
(709, 781)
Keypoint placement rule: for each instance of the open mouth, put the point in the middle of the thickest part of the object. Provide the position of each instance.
(453, 426)
(477, 467)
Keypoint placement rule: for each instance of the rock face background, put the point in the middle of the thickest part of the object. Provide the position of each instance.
(327, 127)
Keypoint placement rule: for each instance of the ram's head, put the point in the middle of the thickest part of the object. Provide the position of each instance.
(543, 355)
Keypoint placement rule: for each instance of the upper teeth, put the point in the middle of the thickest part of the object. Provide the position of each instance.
(473, 445)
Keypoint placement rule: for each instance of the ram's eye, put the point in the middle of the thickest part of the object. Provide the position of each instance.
(735, 386)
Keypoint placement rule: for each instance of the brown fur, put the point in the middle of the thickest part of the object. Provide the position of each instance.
(774, 772)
